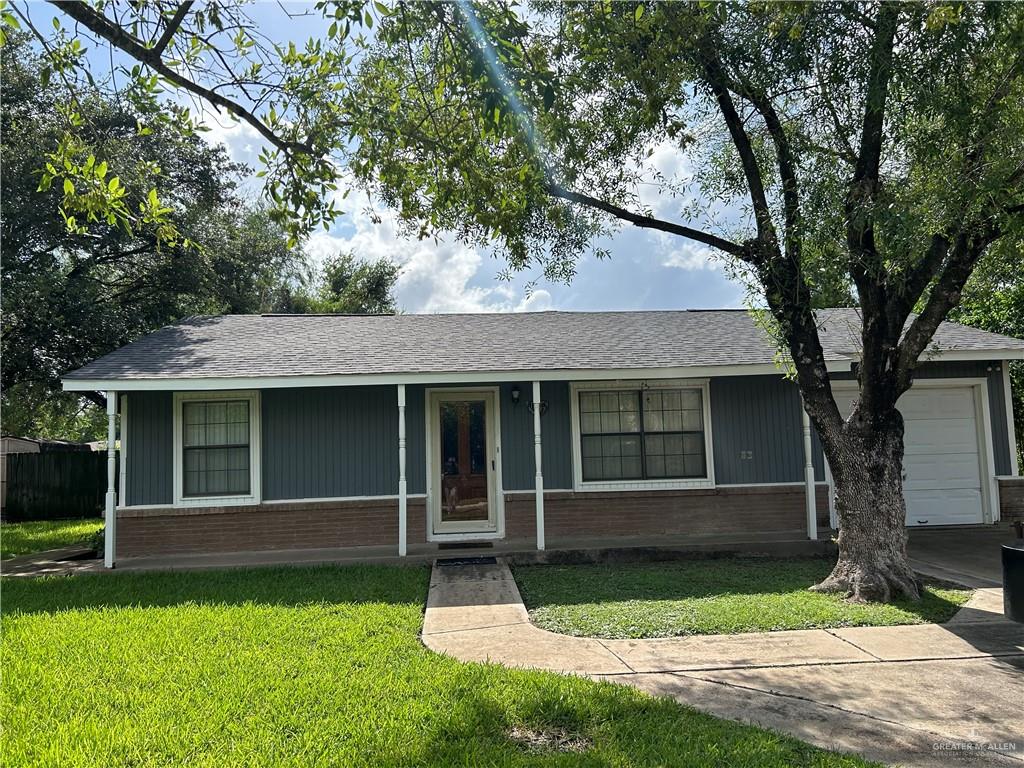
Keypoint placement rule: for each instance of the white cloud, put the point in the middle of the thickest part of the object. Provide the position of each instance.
(242, 141)
(538, 301)
(691, 258)
(435, 276)
(667, 165)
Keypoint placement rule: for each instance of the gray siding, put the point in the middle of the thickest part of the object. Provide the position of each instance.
(759, 415)
(328, 442)
(517, 464)
(331, 442)
(415, 439)
(149, 473)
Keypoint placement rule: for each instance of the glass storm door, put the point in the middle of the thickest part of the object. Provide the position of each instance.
(463, 462)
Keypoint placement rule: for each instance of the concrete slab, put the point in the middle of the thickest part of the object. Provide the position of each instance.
(970, 556)
(963, 700)
(864, 690)
(937, 641)
(809, 646)
(815, 722)
(524, 645)
(65, 561)
(985, 605)
(473, 605)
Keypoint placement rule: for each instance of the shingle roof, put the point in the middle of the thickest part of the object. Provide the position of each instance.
(310, 345)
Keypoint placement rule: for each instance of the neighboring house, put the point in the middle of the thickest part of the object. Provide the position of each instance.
(552, 429)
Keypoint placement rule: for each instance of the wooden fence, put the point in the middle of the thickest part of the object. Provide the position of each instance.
(50, 486)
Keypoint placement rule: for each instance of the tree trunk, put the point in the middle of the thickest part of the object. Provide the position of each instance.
(867, 465)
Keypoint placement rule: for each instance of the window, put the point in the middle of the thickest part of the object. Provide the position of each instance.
(216, 444)
(642, 434)
(215, 441)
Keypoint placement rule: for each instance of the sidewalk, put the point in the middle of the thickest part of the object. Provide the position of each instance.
(901, 695)
(65, 561)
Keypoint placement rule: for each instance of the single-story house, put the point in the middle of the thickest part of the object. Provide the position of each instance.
(551, 429)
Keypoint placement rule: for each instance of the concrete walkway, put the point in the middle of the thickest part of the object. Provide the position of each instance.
(66, 561)
(924, 695)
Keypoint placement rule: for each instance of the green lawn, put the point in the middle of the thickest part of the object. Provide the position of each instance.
(309, 667)
(701, 597)
(22, 538)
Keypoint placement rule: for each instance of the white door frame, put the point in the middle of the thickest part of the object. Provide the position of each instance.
(495, 525)
(983, 424)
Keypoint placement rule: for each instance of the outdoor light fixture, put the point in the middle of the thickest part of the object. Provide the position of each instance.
(515, 395)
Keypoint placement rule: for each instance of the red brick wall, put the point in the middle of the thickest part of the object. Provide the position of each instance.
(722, 510)
(1011, 499)
(315, 525)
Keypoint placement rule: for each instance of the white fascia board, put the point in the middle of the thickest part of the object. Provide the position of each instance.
(478, 377)
(962, 355)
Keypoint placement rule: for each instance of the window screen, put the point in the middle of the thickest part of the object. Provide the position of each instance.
(642, 434)
(215, 441)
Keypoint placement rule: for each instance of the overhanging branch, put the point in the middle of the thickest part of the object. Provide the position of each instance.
(645, 222)
(119, 38)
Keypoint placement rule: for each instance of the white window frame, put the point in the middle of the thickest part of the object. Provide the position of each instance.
(675, 483)
(254, 495)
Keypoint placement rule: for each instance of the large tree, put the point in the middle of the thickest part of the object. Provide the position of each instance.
(874, 146)
(73, 295)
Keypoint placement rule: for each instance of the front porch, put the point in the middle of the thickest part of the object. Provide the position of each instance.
(568, 549)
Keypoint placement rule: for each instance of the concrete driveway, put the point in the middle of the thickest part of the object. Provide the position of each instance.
(968, 555)
(924, 695)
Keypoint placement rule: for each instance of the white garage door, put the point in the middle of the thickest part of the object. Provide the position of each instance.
(942, 461)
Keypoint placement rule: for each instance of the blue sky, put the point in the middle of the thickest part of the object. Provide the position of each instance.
(646, 270)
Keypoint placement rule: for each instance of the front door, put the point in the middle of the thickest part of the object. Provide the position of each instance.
(463, 462)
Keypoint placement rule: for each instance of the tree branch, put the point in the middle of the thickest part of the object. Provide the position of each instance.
(864, 187)
(172, 26)
(717, 79)
(645, 222)
(944, 297)
(131, 45)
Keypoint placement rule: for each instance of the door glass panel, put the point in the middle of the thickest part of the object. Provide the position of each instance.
(464, 463)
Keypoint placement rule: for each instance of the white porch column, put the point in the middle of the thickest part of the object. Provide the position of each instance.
(812, 510)
(539, 477)
(402, 491)
(110, 532)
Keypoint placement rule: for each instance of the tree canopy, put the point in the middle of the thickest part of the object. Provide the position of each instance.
(71, 296)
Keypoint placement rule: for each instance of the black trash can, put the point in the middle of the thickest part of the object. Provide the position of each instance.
(1013, 581)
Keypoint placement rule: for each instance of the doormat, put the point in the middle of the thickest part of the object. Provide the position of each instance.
(466, 545)
(466, 561)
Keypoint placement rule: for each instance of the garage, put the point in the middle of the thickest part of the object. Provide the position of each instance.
(943, 477)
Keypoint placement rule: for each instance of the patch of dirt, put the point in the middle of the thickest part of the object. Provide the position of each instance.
(549, 740)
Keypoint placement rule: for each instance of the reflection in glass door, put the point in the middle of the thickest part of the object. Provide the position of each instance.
(464, 460)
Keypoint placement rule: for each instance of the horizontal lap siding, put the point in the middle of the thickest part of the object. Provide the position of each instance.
(330, 442)
(149, 438)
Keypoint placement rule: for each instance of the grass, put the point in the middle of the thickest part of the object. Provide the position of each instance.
(23, 538)
(310, 667)
(701, 597)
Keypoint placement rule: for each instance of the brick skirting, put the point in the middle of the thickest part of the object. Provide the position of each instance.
(723, 510)
(323, 525)
(1011, 499)
(311, 525)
